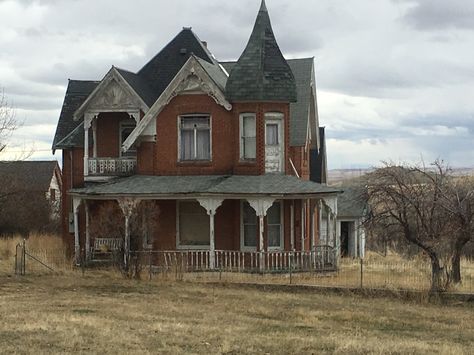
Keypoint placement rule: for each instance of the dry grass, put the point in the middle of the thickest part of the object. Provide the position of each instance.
(104, 313)
(48, 248)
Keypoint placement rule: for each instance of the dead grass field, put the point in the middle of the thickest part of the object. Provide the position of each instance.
(104, 313)
(101, 312)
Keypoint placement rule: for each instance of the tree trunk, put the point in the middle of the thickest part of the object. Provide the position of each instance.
(456, 258)
(456, 267)
(436, 275)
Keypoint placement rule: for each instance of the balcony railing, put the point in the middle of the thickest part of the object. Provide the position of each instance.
(112, 166)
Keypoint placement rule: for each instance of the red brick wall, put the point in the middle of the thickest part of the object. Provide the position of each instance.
(166, 149)
(73, 176)
(108, 140)
(258, 167)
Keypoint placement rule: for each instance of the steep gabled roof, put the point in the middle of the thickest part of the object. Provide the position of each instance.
(261, 73)
(139, 85)
(28, 175)
(148, 83)
(76, 93)
(164, 66)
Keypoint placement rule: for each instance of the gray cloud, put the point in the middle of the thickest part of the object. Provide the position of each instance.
(439, 14)
(383, 78)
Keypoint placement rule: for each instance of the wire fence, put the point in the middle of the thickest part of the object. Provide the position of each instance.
(298, 268)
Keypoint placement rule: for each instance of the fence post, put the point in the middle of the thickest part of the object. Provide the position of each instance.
(291, 267)
(23, 255)
(150, 266)
(361, 273)
(16, 260)
(83, 262)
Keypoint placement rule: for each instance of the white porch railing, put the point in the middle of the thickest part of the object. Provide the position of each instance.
(321, 259)
(112, 166)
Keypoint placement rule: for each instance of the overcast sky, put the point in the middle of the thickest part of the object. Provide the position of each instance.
(395, 78)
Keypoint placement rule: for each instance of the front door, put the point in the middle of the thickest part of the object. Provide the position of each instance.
(273, 146)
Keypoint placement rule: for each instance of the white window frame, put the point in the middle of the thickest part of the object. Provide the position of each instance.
(178, 241)
(243, 247)
(128, 123)
(241, 133)
(195, 140)
(282, 229)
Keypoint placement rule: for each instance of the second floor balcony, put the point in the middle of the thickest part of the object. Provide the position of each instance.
(124, 166)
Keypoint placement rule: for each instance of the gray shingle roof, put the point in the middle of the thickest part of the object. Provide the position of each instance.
(140, 86)
(163, 67)
(27, 175)
(261, 73)
(148, 83)
(351, 203)
(299, 111)
(219, 185)
(76, 93)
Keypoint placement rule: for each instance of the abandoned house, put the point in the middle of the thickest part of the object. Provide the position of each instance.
(218, 161)
(30, 196)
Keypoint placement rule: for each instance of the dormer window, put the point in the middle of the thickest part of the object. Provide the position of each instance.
(247, 136)
(195, 137)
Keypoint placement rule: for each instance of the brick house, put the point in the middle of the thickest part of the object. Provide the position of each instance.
(205, 157)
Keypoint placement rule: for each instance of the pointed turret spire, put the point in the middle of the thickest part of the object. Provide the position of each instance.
(261, 73)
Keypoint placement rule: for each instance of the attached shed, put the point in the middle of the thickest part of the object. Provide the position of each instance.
(352, 209)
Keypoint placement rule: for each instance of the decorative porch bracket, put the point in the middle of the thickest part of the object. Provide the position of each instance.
(76, 203)
(128, 207)
(261, 207)
(211, 205)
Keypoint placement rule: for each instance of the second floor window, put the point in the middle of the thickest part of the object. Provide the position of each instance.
(195, 137)
(126, 128)
(247, 136)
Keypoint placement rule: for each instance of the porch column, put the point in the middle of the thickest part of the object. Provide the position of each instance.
(303, 223)
(94, 137)
(261, 207)
(313, 230)
(320, 221)
(211, 205)
(88, 237)
(292, 225)
(76, 202)
(87, 124)
(328, 224)
(128, 206)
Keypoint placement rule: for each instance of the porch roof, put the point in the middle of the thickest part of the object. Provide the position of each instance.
(232, 185)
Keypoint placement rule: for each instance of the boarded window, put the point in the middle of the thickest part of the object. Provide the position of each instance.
(193, 224)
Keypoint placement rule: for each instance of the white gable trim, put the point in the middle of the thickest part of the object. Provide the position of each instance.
(102, 89)
(191, 78)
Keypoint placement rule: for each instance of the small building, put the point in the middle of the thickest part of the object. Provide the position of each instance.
(30, 196)
(352, 210)
(210, 158)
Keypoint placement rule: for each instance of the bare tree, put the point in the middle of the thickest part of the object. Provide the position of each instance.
(8, 121)
(458, 202)
(405, 203)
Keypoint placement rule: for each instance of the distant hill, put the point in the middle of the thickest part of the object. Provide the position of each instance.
(340, 176)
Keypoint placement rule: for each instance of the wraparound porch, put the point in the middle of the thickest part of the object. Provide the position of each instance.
(265, 232)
